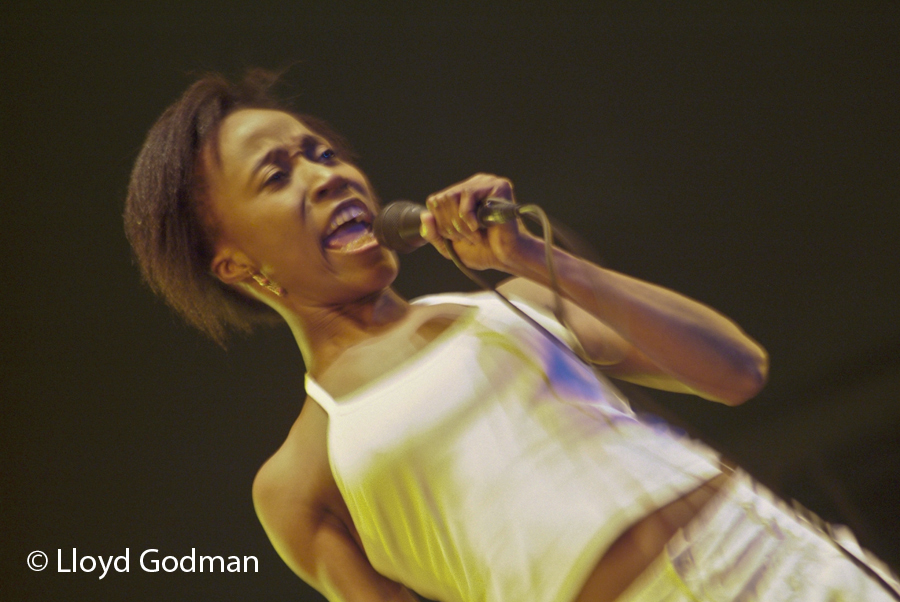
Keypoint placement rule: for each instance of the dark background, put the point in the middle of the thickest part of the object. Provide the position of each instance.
(746, 154)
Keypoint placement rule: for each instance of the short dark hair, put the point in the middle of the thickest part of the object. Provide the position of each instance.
(164, 210)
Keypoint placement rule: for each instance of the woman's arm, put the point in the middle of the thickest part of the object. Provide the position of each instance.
(636, 330)
(670, 343)
(315, 543)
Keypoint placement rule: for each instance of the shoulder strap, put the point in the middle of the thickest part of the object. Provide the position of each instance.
(472, 299)
(319, 395)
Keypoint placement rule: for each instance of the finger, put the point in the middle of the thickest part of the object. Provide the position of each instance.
(503, 189)
(428, 230)
(428, 227)
(444, 209)
(460, 207)
(468, 205)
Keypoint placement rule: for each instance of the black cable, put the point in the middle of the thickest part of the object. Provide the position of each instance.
(537, 214)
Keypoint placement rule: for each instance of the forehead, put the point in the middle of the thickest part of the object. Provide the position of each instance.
(247, 133)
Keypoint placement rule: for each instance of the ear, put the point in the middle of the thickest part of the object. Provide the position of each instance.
(231, 266)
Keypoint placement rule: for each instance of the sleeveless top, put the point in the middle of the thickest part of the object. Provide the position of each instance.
(494, 466)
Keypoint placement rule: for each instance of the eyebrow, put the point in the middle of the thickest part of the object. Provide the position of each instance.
(302, 140)
(266, 159)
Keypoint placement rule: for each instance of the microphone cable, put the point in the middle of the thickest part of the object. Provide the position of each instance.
(539, 216)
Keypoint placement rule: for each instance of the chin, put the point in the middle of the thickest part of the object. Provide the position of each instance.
(380, 276)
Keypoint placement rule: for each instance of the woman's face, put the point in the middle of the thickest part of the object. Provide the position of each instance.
(283, 203)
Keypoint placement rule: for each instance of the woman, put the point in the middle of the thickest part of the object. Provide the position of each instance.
(449, 446)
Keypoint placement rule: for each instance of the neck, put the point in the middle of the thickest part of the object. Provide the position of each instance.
(324, 332)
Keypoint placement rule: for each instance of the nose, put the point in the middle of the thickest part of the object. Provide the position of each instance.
(327, 184)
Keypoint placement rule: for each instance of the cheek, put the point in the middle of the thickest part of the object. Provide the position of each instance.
(360, 183)
(269, 230)
(285, 247)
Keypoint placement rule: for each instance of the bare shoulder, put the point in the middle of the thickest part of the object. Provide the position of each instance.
(304, 515)
(606, 348)
(294, 492)
(528, 290)
(301, 462)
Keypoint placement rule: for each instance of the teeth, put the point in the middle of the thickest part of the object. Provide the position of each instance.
(343, 216)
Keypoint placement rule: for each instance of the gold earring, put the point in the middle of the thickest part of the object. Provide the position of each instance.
(269, 285)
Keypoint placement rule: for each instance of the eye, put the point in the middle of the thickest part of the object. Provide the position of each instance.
(277, 177)
(327, 155)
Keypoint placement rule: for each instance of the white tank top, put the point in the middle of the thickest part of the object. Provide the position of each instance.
(494, 466)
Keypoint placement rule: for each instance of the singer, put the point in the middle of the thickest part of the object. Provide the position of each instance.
(448, 446)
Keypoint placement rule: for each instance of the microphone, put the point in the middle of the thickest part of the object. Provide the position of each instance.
(397, 225)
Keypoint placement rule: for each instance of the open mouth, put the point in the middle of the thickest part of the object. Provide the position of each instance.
(350, 227)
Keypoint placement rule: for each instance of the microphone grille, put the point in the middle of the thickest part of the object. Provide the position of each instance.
(397, 226)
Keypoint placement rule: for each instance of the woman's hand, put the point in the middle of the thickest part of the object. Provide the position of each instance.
(451, 216)
(638, 331)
